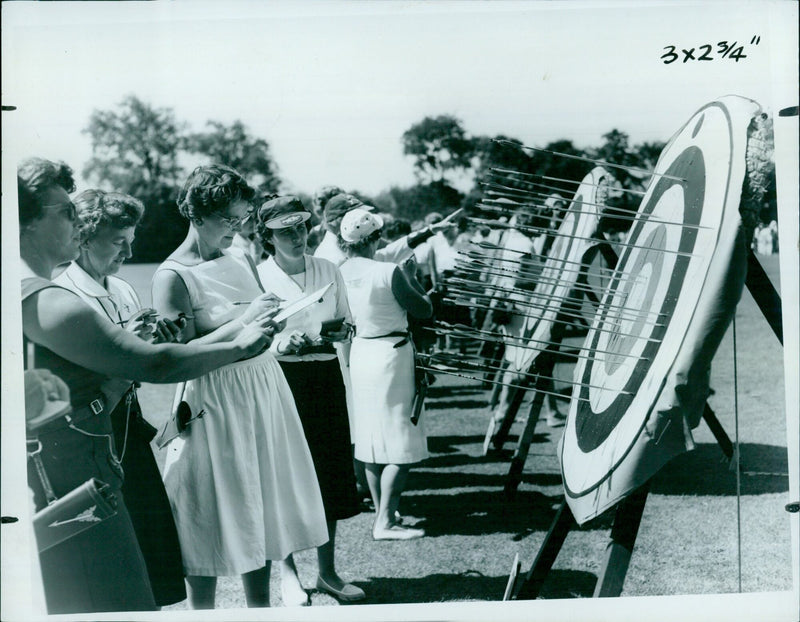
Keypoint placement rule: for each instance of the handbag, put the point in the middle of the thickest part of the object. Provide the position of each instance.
(80, 509)
(83, 507)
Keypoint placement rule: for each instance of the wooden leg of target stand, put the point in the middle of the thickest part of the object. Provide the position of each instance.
(530, 586)
(517, 396)
(718, 431)
(523, 445)
(623, 536)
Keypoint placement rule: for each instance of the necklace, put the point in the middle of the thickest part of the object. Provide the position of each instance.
(300, 281)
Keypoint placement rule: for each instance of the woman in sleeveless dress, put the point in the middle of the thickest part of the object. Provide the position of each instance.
(241, 479)
(102, 568)
(380, 296)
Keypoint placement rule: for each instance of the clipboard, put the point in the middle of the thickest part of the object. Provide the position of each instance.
(288, 309)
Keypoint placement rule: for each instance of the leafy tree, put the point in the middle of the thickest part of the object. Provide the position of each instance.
(135, 150)
(233, 146)
(416, 202)
(439, 146)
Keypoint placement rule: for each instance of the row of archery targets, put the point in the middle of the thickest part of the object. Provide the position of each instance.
(653, 308)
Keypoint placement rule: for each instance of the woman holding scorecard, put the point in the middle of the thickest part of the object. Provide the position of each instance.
(241, 480)
(304, 349)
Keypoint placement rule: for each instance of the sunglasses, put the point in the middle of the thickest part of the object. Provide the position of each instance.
(68, 208)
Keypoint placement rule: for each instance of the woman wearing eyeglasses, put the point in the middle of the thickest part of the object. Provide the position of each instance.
(102, 568)
(241, 480)
(107, 222)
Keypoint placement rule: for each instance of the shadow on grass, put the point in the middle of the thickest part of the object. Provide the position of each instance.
(705, 471)
(437, 587)
(470, 585)
(568, 584)
(432, 480)
(502, 456)
(481, 512)
(456, 404)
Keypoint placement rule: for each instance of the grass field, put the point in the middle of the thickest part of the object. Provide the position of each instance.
(688, 540)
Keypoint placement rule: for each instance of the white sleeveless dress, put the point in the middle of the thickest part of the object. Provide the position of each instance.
(382, 374)
(241, 480)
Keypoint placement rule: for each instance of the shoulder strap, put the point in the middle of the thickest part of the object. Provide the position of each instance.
(252, 265)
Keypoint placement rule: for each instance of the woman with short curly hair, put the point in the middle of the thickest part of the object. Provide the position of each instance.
(107, 224)
(241, 480)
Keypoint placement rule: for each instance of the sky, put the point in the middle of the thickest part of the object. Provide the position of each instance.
(333, 86)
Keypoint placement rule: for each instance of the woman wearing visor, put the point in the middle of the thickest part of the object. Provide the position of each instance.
(304, 349)
(241, 480)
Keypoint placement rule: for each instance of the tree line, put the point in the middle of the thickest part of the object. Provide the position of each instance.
(141, 150)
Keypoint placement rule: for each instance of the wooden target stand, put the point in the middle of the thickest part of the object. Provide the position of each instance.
(628, 512)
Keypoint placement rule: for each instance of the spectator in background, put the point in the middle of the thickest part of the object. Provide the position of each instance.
(395, 252)
(107, 223)
(381, 295)
(318, 202)
(396, 229)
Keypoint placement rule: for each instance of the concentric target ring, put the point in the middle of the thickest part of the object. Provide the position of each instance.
(657, 325)
(560, 272)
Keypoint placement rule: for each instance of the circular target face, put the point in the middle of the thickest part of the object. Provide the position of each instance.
(642, 322)
(560, 271)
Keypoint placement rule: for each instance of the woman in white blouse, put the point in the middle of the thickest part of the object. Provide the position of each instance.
(107, 222)
(304, 349)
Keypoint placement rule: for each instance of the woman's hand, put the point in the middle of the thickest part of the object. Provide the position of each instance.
(445, 223)
(343, 334)
(294, 343)
(261, 305)
(143, 324)
(167, 331)
(256, 336)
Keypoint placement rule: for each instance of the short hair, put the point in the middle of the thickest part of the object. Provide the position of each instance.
(396, 229)
(210, 189)
(97, 208)
(357, 248)
(34, 177)
(265, 213)
(322, 196)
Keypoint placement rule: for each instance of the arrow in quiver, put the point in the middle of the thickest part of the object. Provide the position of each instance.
(641, 382)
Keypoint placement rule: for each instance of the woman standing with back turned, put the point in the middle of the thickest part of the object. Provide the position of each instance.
(382, 368)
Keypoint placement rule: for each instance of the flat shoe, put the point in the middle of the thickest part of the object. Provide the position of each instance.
(299, 601)
(398, 532)
(348, 594)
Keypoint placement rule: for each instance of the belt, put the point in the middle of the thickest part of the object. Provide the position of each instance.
(92, 409)
(406, 337)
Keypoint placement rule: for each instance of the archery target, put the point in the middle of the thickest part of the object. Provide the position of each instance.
(560, 272)
(642, 375)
